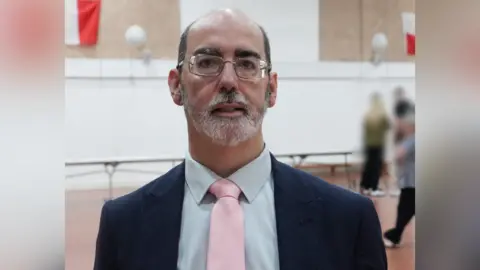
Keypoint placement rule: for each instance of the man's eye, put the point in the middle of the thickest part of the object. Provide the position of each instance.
(247, 64)
(205, 63)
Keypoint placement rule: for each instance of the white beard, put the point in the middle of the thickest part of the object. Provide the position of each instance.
(225, 131)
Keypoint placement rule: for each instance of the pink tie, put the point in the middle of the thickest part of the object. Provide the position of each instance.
(226, 249)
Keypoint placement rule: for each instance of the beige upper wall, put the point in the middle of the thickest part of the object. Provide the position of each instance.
(339, 23)
(159, 18)
(346, 25)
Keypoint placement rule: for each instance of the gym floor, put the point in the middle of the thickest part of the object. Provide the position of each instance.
(83, 212)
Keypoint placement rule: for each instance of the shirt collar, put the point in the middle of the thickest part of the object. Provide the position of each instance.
(250, 178)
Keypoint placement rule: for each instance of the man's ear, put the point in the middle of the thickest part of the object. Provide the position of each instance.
(273, 84)
(175, 87)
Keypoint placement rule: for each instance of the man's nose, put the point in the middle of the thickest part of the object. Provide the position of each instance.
(228, 77)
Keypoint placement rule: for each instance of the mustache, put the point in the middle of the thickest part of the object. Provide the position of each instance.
(229, 97)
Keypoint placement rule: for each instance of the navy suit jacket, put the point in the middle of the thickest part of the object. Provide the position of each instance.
(319, 225)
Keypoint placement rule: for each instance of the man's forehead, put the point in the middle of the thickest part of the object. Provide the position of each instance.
(224, 16)
(217, 29)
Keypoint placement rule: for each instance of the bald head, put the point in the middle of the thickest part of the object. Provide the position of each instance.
(223, 16)
(229, 19)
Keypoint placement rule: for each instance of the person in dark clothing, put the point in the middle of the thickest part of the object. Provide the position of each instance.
(402, 107)
(405, 156)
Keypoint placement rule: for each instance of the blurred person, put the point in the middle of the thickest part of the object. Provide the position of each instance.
(405, 158)
(402, 106)
(231, 204)
(376, 124)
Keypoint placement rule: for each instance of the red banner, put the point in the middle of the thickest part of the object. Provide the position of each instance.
(410, 44)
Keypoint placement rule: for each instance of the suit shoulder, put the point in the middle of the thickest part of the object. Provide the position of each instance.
(327, 191)
(128, 203)
(133, 202)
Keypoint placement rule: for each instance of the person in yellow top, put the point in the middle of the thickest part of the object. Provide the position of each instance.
(376, 124)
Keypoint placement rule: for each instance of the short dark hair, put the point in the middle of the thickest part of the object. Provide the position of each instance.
(182, 46)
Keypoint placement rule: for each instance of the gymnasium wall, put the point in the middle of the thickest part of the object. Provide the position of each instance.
(293, 28)
(117, 107)
(130, 114)
(307, 30)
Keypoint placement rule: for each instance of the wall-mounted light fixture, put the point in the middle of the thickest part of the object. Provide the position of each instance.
(379, 46)
(136, 37)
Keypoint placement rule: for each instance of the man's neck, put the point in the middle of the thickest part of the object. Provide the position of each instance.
(225, 160)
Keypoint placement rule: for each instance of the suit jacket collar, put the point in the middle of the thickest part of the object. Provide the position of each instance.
(298, 209)
(160, 221)
(300, 216)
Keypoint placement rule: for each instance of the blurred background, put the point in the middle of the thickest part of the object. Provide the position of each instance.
(339, 62)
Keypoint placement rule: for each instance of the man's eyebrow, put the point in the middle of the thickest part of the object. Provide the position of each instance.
(246, 53)
(209, 51)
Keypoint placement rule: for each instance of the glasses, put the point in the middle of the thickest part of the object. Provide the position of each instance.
(210, 65)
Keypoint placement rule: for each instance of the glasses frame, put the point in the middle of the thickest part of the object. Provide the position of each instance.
(265, 67)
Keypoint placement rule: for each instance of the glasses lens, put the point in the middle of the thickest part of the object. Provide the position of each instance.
(207, 65)
(248, 67)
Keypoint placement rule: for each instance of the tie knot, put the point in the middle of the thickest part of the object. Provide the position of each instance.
(225, 188)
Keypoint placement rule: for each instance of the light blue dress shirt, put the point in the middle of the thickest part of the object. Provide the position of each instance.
(257, 200)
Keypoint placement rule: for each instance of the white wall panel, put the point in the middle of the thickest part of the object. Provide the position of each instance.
(292, 26)
(122, 119)
(110, 114)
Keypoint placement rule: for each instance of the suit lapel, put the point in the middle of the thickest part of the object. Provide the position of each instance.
(161, 222)
(299, 214)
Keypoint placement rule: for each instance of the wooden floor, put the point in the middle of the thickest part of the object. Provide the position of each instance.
(83, 211)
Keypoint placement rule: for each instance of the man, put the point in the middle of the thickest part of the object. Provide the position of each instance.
(231, 204)
(405, 156)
